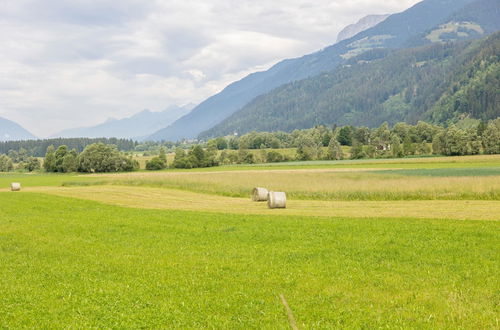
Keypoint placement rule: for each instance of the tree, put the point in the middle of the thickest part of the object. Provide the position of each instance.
(357, 151)
(70, 162)
(100, 158)
(408, 146)
(6, 164)
(402, 130)
(197, 156)
(31, 164)
(481, 128)
(221, 143)
(335, 150)
(455, 142)
(438, 144)
(163, 155)
(181, 160)
(345, 136)
(49, 163)
(307, 148)
(158, 163)
(60, 153)
(423, 148)
(491, 138)
(474, 145)
(362, 135)
(396, 150)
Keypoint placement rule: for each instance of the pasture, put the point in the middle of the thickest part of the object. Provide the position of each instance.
(410, 243)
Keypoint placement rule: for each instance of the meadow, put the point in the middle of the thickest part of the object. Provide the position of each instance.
(410, 243)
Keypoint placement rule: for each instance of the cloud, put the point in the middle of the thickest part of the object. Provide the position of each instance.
(72, 63)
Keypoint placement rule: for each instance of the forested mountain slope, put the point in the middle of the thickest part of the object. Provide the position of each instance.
(441, 83)
(10, 131)
(394, 32)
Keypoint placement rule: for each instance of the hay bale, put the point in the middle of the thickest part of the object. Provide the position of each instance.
(15, 186)
(259, 194)
(276, 200)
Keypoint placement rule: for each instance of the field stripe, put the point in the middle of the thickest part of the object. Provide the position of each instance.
(171, 199)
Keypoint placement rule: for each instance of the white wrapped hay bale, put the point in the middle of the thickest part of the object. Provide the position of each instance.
(276, 200)
(259, 194)
(15, 186)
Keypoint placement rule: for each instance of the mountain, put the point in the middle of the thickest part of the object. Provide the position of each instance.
(10, 131)
(363, 24)
(394, 32)
(137, 126)
(441, 83)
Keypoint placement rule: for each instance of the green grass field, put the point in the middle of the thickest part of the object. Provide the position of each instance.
(408, 243)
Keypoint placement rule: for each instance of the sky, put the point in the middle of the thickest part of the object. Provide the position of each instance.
(73, 63)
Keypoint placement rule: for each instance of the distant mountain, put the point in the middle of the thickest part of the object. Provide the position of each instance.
(440, 83)
(394, 32)
(10, 131)
(137, 126)
(363, 24)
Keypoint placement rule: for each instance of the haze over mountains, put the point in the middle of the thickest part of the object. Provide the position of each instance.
(426, 22)
(135, 127)
(10, 130)
(370, 75)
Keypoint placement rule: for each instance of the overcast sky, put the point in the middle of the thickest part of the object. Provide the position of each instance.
(71, 63)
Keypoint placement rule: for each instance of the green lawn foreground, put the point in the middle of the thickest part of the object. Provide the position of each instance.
(69, 263)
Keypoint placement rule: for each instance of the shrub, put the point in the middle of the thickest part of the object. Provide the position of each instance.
(156, 164)
(31, 164)
(274, 157)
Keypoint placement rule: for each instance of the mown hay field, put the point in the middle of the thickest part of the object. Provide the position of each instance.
(371, 244)
(475, 178)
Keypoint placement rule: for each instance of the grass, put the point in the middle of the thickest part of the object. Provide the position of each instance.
(40, 179)
(449, 172)
(172, 199)
(78, 264)
(409, 243)
(332, 184)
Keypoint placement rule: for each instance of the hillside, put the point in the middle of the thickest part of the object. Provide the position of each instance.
(440, 83)
(135, 127)
(11, 131)
(394, 32)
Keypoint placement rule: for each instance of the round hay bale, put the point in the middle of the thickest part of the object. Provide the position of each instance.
(15, 186)
(276, 200)
(259, 194)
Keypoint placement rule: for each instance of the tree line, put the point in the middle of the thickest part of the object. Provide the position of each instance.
(469, 137)
(95, 158)
(37, 148)
(323, 143)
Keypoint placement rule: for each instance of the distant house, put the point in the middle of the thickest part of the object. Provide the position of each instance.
(384, 147)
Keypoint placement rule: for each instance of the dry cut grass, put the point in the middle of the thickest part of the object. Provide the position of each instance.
(171, 199)
(320, 184)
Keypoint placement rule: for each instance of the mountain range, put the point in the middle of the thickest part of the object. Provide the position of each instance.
(429, 21)
(440, 83)
(10, 131)
(136, 127)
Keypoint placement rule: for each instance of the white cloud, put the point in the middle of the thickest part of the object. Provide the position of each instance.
(72, 63)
